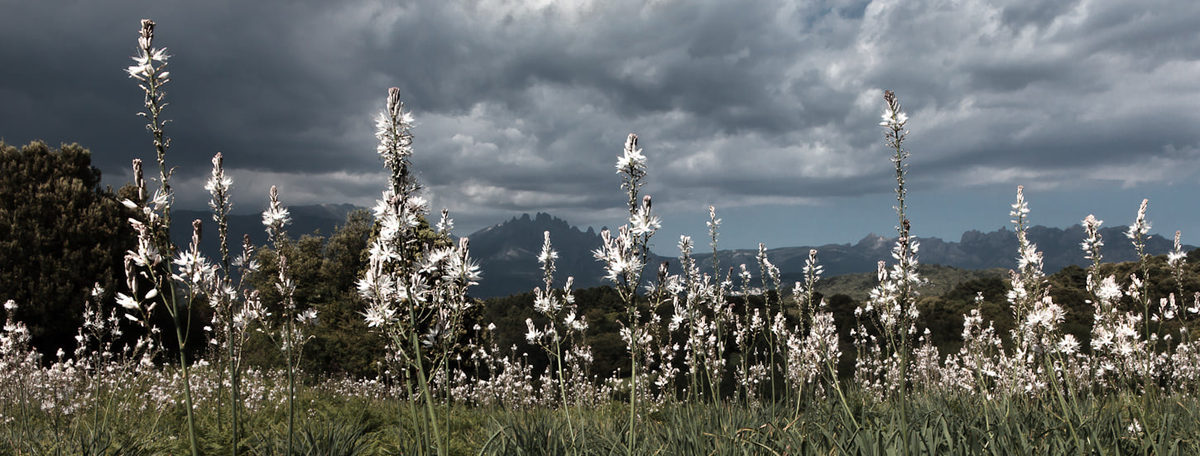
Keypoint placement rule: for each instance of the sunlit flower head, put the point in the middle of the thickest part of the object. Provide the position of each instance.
(643, 221)
(811, 267)
(532, 334)
(1140, 226)
(1092, 240)
(276, 216)
(548, 255)
(893, 117)
(392, 129)
(445, 224)
(218, 185)
(685, 244)
(632, 161)
(1068, 345)
(143, 68)
(1019, 209)
(1177, 257)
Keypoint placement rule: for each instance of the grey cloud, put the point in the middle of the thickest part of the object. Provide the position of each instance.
(522, 109)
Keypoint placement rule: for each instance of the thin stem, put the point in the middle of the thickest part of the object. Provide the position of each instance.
(187, 390)
(288, 341)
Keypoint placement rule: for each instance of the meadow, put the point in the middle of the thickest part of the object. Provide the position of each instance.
(711, 371)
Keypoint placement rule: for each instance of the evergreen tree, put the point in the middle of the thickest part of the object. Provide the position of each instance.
(60, 233)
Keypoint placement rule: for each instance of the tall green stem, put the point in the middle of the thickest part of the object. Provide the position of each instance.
(432, 415)
(289, 339)
(187, 383)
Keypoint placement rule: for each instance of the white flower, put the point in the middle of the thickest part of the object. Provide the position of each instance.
(545, 303)
(1030, 258)
(218, 183)
(383, 252)
(643, 222)
(193, 268)
(632, 160)
(445, 224)
(143, 67)
(1140, 226)
(123, 300)
(1094, 241)
(1020, 208)
(548, 254)
(1109, 291)
(461, 267)
(532, 334)
(392, 130)
(416, 204)
(382, 205)
(1135, 428)
(1068, 345)
(1176, 257)
(147, 54)
(307, 317)
(892, 119)
(276, 216)
(676, 321)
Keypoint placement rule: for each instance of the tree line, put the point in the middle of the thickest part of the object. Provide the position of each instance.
(63, 239)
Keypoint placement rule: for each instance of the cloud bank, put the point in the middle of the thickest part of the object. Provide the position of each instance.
(524, 106)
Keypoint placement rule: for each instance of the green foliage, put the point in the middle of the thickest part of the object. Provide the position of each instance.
(325, 271)
(601, 306)
(338, 423)
(342, 343)
(943, 314)
(941, 279)
(950, 295)
(60, 233)
(323, 434)
(937, 425)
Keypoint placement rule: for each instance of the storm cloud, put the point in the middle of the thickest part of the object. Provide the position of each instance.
(524, 106)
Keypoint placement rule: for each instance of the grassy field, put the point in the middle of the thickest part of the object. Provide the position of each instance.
(364, 418)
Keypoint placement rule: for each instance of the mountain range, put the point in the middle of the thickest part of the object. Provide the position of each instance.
(507, 252)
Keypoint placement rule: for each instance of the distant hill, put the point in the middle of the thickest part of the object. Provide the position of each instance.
(507, 252)
(940, 279)
(975, 250)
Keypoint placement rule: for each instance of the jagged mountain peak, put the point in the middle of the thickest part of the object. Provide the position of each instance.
(527, 231)
(508, 254)
(874, 242)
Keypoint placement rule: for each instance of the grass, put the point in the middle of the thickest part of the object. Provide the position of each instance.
(941, 424)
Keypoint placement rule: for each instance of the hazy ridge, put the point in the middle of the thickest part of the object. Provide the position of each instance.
(507, 251)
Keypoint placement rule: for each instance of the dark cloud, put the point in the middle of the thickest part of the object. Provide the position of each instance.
(524, 106)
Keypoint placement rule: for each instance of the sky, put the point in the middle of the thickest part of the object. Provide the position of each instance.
(767, 110)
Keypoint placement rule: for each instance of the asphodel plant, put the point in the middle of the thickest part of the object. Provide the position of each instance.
(174, 291)
(417, 292)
